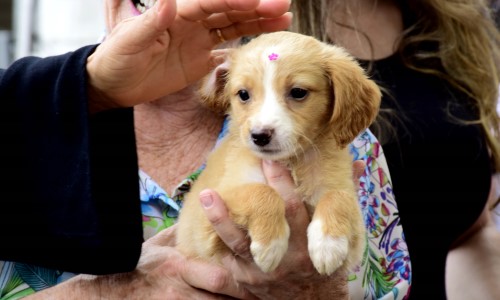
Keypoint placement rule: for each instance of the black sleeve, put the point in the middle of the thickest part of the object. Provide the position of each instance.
(441, 173)
(69, 194)
(441, 189)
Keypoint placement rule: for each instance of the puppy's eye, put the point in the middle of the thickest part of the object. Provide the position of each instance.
(244, 95)
(298, 93)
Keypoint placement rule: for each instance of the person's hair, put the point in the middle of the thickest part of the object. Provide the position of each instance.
(460, 34)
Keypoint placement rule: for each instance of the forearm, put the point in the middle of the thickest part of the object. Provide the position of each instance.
(80, 287)
(117, 286)
(62, 166)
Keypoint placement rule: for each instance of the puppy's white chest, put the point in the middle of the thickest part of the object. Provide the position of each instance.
(247, 174)
(252, 174)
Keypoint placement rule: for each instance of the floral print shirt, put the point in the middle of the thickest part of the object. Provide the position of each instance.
(384, 272)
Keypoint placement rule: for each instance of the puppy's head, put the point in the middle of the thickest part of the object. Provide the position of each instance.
(285, 90)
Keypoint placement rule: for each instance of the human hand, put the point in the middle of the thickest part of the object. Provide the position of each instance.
(358, 168)
(168, 47)
(162, 273)
(295, 276)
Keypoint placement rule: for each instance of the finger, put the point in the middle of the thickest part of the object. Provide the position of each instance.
(212, 278)
(165, 237)
(256, 27)
(267, 9)
(273, 8)
(146, 28)
(201, 9)
(165, 13)
(280, 179)
(244, 272)
(230, 234)
(358, 169)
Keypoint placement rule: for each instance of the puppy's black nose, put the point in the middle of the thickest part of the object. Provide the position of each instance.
(263, 137)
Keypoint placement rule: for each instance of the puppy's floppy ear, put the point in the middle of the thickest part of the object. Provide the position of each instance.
(356, 98)
(211, 88)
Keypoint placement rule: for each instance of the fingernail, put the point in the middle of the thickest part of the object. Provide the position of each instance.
(206, 199)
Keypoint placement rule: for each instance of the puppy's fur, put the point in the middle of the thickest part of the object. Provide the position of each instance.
(298, 101)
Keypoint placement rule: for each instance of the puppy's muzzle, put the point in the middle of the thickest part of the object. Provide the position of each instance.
(262, 137)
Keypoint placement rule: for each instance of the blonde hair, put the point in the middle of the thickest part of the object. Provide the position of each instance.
(468, 49)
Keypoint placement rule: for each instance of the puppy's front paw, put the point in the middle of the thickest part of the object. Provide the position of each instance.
(327, 253)
(268, 255)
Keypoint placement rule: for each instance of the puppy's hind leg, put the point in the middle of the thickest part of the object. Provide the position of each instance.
(261, 210)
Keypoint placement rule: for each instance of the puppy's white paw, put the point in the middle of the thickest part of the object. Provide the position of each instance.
(327, 253)
(268, 257)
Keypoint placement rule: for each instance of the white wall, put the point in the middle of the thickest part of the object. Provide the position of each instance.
(4, 48)
(50, 27)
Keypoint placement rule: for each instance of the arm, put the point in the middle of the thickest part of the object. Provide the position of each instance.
(54, 206)
(162, 273)
(57, 209)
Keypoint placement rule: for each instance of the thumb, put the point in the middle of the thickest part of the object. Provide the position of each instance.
(218, 215)
(165, 13)
(279, 178)
(150, 25)
(358, 168)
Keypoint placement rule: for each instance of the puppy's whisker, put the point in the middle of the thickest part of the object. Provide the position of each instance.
(294, 148)
(316, 149)
(310, 142)
(296, 152)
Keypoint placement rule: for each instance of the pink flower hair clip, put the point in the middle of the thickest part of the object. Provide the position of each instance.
(273, 56)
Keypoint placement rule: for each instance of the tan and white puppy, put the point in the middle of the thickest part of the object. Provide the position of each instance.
(298, 101)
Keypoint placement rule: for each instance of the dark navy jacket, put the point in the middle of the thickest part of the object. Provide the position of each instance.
(69, 194)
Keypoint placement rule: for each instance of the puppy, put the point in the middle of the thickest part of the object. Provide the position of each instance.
(298, 101)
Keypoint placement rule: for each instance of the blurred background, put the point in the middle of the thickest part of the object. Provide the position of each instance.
(51, 27)
(47, 27)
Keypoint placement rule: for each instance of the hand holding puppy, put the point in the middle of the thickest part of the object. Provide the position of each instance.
(296, 269)
(162, 273)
